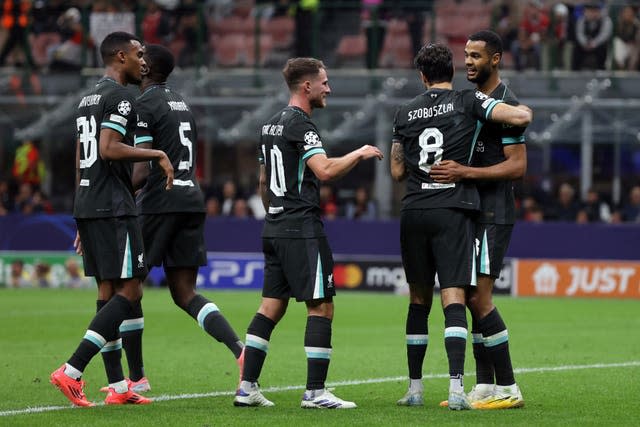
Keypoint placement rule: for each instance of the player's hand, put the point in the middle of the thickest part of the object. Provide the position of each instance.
(447, 171)
(77, 244)
(369, 151)
(167, 168)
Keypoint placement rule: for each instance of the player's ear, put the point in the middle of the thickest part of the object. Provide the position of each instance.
(307, 86)
(496, 58)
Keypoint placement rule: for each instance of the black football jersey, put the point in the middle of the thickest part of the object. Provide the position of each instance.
(105, 188)
(287, 140)
(438, 125)
(166, 121)
(497, 201)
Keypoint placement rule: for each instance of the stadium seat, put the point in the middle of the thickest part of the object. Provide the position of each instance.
(396, 51)
(265, 46)
(351, 50)
(230, 50)
(281, 29)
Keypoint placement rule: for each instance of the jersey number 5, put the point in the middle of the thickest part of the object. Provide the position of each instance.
(87, 136)
(184, 140)
(430, 140)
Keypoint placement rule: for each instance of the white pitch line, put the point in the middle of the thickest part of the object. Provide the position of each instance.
(167, 397)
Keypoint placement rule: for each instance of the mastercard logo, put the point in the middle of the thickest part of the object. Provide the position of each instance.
(347, 275)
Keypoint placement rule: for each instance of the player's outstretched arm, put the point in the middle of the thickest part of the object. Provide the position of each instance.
(398, 169)
(519, 115)
(327, 169)
(513, 167)
(112, 148)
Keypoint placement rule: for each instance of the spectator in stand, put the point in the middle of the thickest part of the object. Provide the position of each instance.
(156, 25)
(16, 15)
(67, 55)
(595, 209)
(6, 201)
(504, 21)
(192, 29)
(27, 165)
(212, 206)
(256, 205)
(631, 210)
(566, 206)
(44, 28)
(18, 278)
(362, 207)
(229, 195)
(558, 38)
(327, 197)
(626, 40)
(74, 276)
(41, 276)
(24, 199)
(526, 49)
(40, 203)
(593, 33)
(241, 209)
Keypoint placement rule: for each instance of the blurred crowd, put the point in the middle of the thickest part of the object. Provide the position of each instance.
(62, 35)
(572, 35)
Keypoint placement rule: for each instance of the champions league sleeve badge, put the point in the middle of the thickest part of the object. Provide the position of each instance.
(124, 107)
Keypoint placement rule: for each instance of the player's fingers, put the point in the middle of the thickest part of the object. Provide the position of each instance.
(169, 185)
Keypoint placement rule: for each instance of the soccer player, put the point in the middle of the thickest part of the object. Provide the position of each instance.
(436, 226)
(173, 221)
(298, 260)
(109, 236)
(500, 156)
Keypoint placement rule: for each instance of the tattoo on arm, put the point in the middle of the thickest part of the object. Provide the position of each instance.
(397, 152)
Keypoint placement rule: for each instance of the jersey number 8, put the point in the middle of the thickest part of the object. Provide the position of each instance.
(430, 140)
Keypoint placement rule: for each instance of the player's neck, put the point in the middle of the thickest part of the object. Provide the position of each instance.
(114, 74)
(301, 103)
(441, 85)
(490, 84)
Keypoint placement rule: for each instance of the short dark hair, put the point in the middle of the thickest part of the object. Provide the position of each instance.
(160, 61)
(435, 62)
(492, 40)
(115, 42)
(296, 69)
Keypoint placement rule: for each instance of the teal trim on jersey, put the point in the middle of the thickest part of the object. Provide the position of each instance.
(479, 125)
(491, 107)
(301, 166)
(207, 309)
(485, 263)
(112, 346)
(497, 339)
(141, 139)
(94, 340)
(513, 140)
(114, 126)
(313, 152)
(420, 341)
(477, 338)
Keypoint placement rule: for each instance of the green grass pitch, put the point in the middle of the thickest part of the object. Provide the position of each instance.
(577, 362)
